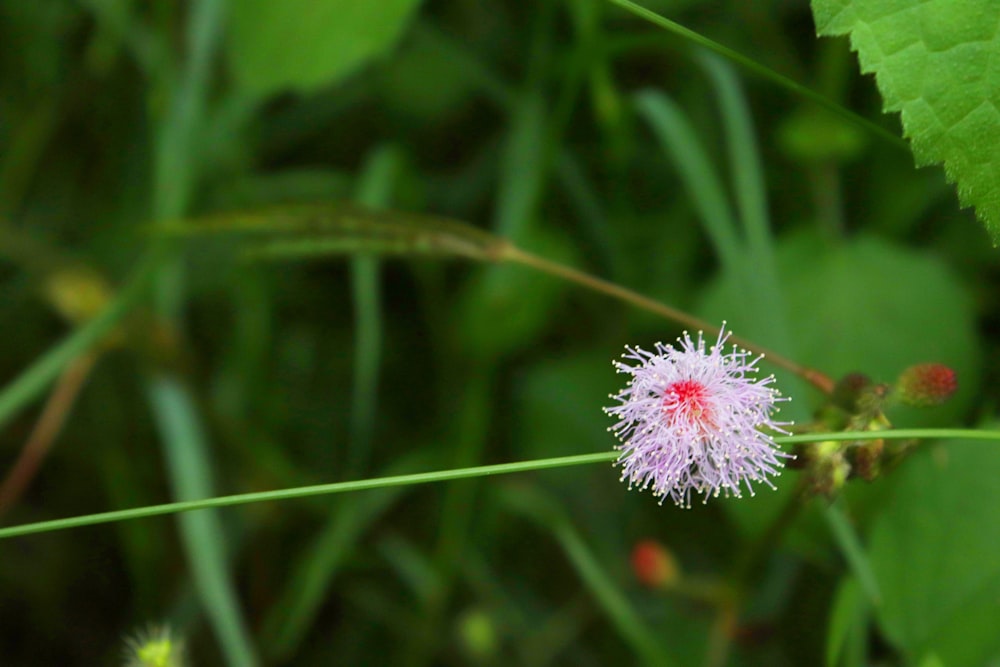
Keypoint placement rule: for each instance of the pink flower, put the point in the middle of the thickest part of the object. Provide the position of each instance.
(691, 420)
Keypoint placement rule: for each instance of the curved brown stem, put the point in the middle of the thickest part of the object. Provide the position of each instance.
(512, 253)
(53, 416)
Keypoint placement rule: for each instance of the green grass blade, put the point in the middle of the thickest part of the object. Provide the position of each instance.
(626, 620)
(594, 575)
(30, 384)
(184, 446)
(850, 545)
(847, 629)
(744, 160)
(760, 70)
(309, 582)
(680, 142)
(373, 191)
(174, 169)
(523, 169)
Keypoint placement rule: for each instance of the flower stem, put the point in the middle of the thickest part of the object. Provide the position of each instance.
(514, 254)
(445, 475)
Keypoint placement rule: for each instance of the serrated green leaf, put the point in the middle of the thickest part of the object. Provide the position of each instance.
(301, 45)
(935, 62)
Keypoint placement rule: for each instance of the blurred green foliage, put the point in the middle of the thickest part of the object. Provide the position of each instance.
(572, 129)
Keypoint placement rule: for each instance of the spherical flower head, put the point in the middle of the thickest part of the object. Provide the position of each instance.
(692, 419)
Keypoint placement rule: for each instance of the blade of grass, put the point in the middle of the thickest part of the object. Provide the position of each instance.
(616, 606)
(176, 163)
(291, 616)
(523, 168)
(850, 545)
(373, 191)
(185, 448)
(33, 382)
(680, 142)
(525, 164)
(443, 476)
(760, 70)
(744, 159)
(326, 229)
(626, 619)
(175, 167)
(847, 629)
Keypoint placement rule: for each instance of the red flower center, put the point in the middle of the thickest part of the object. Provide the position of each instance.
(687, 399)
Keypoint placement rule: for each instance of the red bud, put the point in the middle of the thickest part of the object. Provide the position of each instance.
(926, 384)
(654, 565)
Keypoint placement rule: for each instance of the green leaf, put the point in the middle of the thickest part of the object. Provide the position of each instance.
(935, 62)
(934, 551)
(847, 631)
(863, 306)
(302, 45)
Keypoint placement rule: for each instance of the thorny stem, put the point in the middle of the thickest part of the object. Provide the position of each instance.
(512, 253)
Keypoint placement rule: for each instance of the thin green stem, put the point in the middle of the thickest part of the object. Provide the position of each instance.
(306, 491)
(446, 475)
(760, 70)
